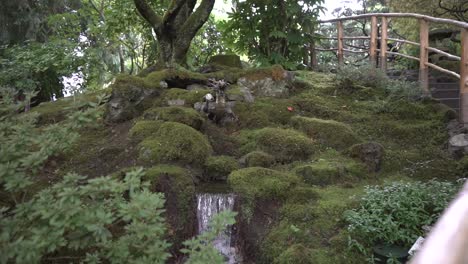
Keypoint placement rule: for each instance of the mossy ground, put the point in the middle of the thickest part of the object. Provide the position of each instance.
(284, 134)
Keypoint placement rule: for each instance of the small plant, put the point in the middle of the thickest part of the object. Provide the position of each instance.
(350, 77)
(396, 213)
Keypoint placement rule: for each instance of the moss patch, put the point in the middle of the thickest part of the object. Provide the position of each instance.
(329, 132)
(143, 129)
(264, 112)
(184, 115)
(284, 144)
(257, 159)
(257, 182)
(219, 167)
(337, 170)
(175, 142)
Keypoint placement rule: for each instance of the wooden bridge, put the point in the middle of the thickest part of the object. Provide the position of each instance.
(454, 95)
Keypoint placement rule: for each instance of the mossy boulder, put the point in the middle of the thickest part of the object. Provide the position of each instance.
(330, 133)
(262, 183)
(184, 115)
(332, 169)
(144, 129)
(272, 81)
(285, 145)
(257, 159)
(179, 189)
(131, 95)
(300, 254)
(175, 142)
(229, 60)
(219, 167)
(370, 153)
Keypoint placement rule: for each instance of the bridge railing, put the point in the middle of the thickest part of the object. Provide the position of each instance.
(381, 52)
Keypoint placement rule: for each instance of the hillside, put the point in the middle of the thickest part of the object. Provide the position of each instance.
(297, 148)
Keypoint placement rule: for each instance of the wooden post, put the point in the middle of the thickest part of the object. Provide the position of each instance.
(340, 43)
(313, 56)
(383, 45)
(464, 76)
(424, 55)
(373, 41)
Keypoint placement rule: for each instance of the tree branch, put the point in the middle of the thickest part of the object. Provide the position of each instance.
(148, 14)
(198, 18)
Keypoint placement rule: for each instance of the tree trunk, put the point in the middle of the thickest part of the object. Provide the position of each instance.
(176, 29)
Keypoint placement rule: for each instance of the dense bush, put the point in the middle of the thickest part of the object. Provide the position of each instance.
(395, 213)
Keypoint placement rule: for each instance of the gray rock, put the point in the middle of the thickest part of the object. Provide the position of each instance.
(458, 145)
(127, 104)
(267, 86)
(370, 153)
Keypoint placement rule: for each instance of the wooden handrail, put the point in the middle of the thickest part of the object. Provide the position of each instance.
(407, 15)
(423, 59)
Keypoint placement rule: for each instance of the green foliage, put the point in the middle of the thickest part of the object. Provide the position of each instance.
(25, 148)
(395, 213)
(207, 43)
(72, 216)
(175, 142)
(350, 77)
(38, 67)
(272, 35)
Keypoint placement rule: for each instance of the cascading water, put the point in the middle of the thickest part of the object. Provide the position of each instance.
(208, 205)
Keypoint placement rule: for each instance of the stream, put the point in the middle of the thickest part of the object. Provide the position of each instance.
(208, 205)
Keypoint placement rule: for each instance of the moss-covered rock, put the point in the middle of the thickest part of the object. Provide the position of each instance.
(331, 133)
(257, 182)
(284, 144)
(325, 172)
(370, 153)
(229, 60)
(219, 167)
(257, 159)
(184, 115)
(144, 129)
(178, 187)
(175, 142)
(131, 95)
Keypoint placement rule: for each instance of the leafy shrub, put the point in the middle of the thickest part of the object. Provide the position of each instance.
(395, 213)
(349, 77)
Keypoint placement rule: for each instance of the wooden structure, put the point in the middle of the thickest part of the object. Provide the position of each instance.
(424, 64)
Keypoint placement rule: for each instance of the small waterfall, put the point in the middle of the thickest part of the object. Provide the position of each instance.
(208, 205)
